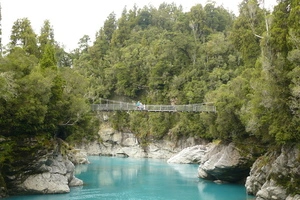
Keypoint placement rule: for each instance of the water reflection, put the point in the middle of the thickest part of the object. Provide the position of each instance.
(81, 168)
(207, 190)
(185, 170)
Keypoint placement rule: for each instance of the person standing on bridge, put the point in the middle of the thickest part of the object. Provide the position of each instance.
(138, 105)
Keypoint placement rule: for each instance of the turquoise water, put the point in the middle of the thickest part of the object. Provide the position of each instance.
(112, 178)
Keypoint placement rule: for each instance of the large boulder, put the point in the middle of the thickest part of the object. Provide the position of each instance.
(190, 155)
(37, 165)
(276, 175)
(55, 175)
(224, 163)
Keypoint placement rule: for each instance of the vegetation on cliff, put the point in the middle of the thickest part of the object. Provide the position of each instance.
(247, 65)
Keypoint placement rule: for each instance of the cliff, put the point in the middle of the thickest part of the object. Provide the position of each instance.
(115, 143)
(276, 175)
(36, 165)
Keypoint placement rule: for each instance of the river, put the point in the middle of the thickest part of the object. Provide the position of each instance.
(113, 178)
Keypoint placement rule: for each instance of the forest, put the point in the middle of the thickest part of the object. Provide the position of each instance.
(248, 66)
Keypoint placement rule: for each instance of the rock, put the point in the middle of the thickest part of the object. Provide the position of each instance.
(122, 155)
(134, 151)
(162, 149)
(56, 177)
(75, 182)
(224, 163)
(190, 155)
(78, 156)
(45, 183)
(271, 173)
(296, 197)
(115, 143)
(91, 148)
(37, 166)
(271, 191)
(3, 192)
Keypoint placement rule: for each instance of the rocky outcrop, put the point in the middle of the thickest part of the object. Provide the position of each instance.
(126, 144)
(55, 175)
(37, 165)
(3, 191)
(224, 163)
(276, 175)
(191, 155)
(293, 197)
(77, 156)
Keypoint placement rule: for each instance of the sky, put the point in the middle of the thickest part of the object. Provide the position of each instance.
(72, 19)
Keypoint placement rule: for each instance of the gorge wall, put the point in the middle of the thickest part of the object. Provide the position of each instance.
(274, 175)
(115, 143)
(38, 165)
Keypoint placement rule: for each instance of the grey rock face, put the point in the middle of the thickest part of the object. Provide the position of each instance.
(114, 143)
(271, 173)
(3, 192)
(190, 155)
(56, 176)
(224, 163)
(78, 156)
(46, 183)
(296, 197)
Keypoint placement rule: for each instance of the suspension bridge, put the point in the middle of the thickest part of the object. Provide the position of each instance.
(111, 105)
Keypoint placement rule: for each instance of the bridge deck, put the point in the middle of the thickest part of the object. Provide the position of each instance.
(154, 108)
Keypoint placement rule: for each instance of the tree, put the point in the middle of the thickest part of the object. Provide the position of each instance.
(25, 112)
(48, 59)
(109, 27)
(84, 44)
(46, 36)
(229, 99)
(144, 18)
(247, 31)
(217, 18)
(123, 31)
(64, 59)
(23, 36)
(293, 75)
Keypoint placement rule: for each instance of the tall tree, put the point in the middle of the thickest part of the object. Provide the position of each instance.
(46, 36)
(272, 103)
(22, 35)
(247, 31)
(48, 59)
(294, 59)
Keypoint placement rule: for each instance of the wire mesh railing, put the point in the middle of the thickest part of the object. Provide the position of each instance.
(123, 106)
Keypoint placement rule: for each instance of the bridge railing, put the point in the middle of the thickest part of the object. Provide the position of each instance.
(114, 107)
(154, 108)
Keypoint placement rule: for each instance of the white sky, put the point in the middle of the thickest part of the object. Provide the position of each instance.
(72, 19)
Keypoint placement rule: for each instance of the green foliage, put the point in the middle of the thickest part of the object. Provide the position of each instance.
(247, 66)
(37, 97)
(119, 121)
(48, 58)
(22, 35)
(164, 56)
(159, 124)
(138, 122)
(46, 36)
